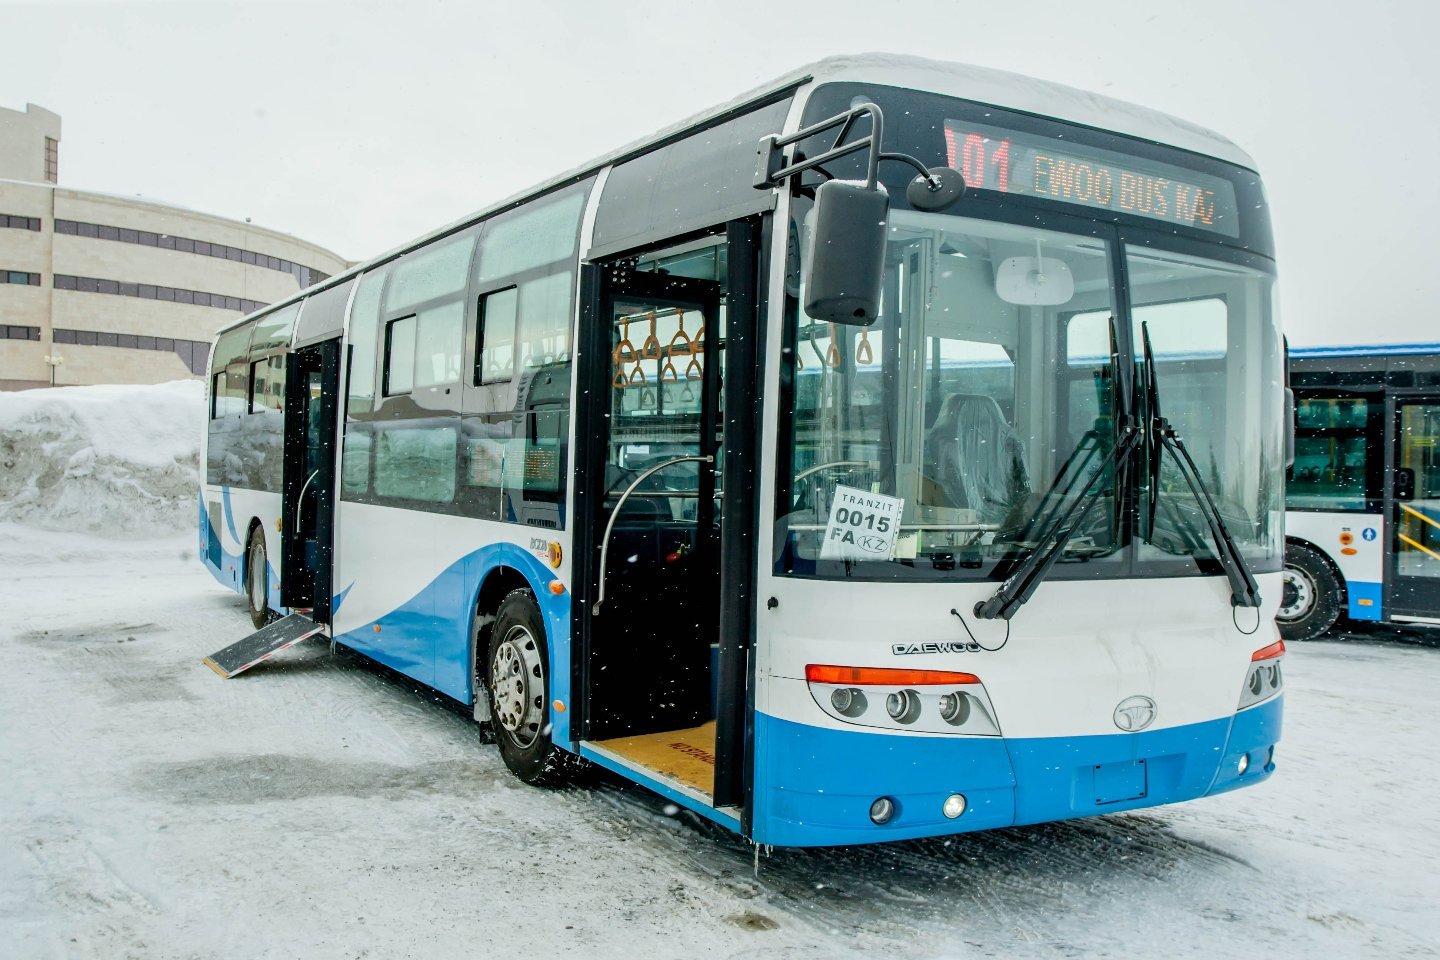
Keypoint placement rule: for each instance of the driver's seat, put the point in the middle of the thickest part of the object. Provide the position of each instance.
(975, 459)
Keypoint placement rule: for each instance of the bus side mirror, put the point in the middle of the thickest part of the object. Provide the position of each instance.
(847, 253)
(1404, 483)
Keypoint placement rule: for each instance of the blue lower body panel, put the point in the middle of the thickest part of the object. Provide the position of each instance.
(814, 786)
(1366, 600)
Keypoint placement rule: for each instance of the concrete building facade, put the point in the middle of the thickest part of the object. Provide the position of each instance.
(98, 288)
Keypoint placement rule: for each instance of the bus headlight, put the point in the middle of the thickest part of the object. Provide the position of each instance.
(1265, 679)
(848, 701)
(953, 806)
(933, 701)
(954, 708)
(903, 706)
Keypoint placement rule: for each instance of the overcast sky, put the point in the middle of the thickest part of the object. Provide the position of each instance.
(359, 126)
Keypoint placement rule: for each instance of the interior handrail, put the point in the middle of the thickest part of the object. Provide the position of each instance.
(610, 524)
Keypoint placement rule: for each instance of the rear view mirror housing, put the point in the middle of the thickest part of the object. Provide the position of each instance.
(847, 253)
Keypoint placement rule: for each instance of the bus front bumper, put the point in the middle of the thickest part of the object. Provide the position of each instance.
(815, 786)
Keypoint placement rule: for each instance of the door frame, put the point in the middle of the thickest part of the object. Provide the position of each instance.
(301, 587)
(1395, 590)
(741, 370)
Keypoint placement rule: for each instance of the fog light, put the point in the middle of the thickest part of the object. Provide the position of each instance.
(955, 708)
(1244, 763)
(882, 810)
(903, 706)
(848, 702)
(954, 805)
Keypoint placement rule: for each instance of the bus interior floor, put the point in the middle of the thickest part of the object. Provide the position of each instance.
(685, 756)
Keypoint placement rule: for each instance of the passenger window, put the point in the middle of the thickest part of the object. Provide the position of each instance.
(495, 360)
(362, 337)
(438, 345)
(267, 385)
(400, 356)
(415, 462)
(355, 469)
(545, 320)
(430, 273)
(540, 233)
(1332, 440)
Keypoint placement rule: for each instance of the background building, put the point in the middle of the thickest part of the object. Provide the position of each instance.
(119, 289)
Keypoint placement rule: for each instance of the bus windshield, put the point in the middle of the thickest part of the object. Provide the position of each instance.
(986, 394)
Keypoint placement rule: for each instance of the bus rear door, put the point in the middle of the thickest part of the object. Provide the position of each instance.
(1414, 581)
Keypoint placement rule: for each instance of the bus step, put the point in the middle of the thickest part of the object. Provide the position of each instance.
(263, 644)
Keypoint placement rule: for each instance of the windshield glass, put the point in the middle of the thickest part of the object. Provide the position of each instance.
(1219, 367)
(984, 397)
(964, 400)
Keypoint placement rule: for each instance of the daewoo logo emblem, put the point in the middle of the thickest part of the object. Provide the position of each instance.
(1135, 713)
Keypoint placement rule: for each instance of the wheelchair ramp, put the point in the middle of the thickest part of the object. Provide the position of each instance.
(262, 645)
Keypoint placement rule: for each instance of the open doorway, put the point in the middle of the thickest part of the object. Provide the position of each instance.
(663, 656)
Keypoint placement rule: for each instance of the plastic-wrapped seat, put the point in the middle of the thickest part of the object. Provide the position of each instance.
(975, 458)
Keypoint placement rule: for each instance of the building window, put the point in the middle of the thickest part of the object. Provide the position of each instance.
(192, 352)
(303, 275)
(21, 277)
(14, 221)
(12, 332)
(52, 160)
(145, 291)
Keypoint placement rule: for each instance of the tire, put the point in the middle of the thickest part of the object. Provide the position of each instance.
(516, 681)
(257, 579)
(1311, 603)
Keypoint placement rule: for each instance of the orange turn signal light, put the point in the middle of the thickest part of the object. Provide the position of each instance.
(1276, 649)
(1347, 538)
(556, 587)
(889, 676)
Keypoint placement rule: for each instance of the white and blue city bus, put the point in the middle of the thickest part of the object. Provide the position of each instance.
(769, 465)
(1363, 498)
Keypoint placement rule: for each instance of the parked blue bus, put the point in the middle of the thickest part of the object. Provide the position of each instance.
(1363, 502)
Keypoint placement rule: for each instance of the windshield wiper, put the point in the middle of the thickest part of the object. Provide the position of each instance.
(1244, 591)
(1020, 585)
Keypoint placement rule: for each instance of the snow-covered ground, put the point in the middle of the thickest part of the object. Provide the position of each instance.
(317, 808)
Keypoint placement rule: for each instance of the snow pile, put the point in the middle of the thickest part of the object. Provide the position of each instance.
(111, 460)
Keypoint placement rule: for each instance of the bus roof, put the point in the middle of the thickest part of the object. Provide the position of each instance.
(999, 88)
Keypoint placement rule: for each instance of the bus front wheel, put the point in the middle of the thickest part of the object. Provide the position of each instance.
(1310, 604)
(516, 682)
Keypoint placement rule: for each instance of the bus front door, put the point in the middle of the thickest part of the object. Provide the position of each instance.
(1414, 582)
(665, 619)
(308, 486)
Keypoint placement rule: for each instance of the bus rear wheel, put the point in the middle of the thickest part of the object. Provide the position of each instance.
(517, 659)
(257, 579)
(1310, 604)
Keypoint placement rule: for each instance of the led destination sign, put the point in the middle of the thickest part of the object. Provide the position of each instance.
(990, 158)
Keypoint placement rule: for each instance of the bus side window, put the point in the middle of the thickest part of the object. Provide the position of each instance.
(399, 356)
(516, 428)
(1332, 450)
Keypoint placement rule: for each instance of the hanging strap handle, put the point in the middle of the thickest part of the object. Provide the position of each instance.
(650, 349)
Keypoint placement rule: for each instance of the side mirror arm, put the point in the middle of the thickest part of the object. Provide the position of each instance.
(932, 189)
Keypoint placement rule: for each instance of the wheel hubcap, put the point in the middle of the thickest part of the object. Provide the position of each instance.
(257, 576)
(1298, 596)
(517, 686)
